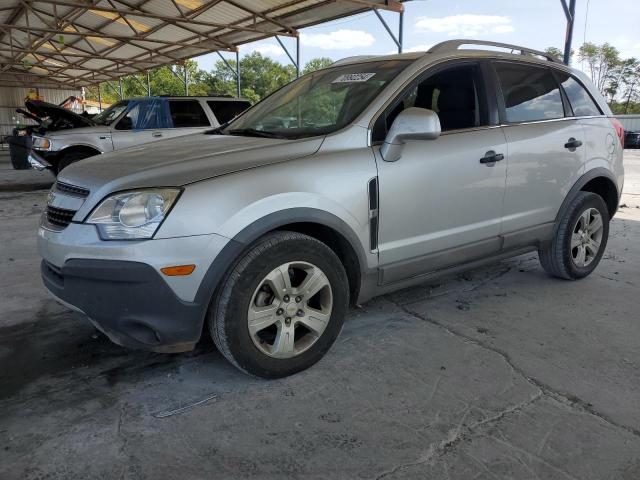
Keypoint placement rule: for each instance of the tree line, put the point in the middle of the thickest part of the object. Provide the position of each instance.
(617, 78)
(259, 75)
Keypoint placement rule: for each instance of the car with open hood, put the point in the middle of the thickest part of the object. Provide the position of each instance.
(371, 175)
(127, 123)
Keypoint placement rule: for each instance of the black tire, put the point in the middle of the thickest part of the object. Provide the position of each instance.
(227, 317)
(72, 157)
(557, 258)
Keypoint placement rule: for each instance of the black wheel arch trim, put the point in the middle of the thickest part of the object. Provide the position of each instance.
(232, 251)
(579, 185)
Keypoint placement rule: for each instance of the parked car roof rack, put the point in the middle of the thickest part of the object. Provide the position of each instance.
(353, 58)
(452, 45)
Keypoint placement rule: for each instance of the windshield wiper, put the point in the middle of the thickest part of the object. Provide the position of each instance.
(254, 132)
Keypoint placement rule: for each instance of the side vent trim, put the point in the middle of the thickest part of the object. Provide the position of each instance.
(373, 213)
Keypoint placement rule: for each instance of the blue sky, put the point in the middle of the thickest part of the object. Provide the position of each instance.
(533, 23)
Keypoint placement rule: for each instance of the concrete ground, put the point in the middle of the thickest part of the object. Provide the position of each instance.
(497, 373)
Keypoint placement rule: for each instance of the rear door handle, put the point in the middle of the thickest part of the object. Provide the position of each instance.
(490, 158)
(572, 144)
(156, 134)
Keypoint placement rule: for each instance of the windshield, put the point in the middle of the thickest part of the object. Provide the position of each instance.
(318, 103)
(107, 116)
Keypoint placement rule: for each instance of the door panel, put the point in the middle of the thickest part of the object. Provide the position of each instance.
(439, 197)
(541, 171)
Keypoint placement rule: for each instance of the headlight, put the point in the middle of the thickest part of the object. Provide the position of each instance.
(41, 143)
(133, 215)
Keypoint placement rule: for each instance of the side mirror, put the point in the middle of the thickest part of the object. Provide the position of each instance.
(411, 124)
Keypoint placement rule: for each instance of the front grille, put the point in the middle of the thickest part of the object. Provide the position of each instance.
(60, 217)
(72, 190)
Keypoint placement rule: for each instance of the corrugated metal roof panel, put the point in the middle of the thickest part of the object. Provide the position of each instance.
(116, 36)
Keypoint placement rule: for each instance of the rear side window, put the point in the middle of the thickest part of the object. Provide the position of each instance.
(187, 113)
(530, 93)
(227, 110)
(580, 100)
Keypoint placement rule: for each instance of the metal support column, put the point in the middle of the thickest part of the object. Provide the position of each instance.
(148, 84)
(296, 61)
(238, 73)
(298, 56)
(99, 99)
(570, 13)
(235, 71)
(186, 79)
(401, 31)
(114, 89)
(397, 40)
(121, 91)
(143, 85)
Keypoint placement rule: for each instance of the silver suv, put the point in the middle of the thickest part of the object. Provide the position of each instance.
(366, 177)
(130, 123)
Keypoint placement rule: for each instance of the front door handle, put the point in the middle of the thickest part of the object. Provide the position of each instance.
(490, 158)
(572, 144)
(156, 134)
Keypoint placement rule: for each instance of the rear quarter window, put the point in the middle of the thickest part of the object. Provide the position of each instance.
(530, 93)
(226, 111)
(581, 102)
(187, 113)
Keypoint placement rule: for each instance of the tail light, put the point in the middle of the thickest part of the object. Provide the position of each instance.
(619, 129)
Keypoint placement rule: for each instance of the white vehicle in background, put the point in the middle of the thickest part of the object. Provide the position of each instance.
(130, 123)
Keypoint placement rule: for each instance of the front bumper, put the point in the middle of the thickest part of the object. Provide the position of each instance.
(128, 301)
(119, 286)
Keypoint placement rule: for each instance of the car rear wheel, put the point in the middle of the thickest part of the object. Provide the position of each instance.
(580, 240)
(281, 307)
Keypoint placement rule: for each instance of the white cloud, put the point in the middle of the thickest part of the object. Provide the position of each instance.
(466, 25)
(264, 49)
(338, 40)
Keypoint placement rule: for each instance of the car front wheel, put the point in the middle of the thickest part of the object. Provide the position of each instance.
(580, 240)
(281, 307)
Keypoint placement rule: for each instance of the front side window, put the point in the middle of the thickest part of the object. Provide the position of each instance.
(143, 115)
(452, 93)
(581, 102)
(530, 93)
(106, 117)
(187, 114)
(318, 103)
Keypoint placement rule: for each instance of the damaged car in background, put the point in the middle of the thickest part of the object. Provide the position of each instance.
(127, 123)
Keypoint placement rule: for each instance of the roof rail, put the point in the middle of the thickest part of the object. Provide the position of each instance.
(352, 59)
(452, 45)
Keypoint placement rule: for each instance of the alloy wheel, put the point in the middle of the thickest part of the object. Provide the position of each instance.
(586, 238)
(290, 309)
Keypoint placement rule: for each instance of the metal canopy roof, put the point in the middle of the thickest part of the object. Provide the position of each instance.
(84, 42)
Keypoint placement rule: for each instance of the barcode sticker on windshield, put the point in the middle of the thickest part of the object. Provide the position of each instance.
(353, 77)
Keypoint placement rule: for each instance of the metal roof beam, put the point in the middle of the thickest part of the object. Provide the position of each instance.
(264, 17)
(391, 5)
(96, 34)
(177, 21)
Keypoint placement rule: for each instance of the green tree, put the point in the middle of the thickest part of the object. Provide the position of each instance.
(260, 76)
(554, 52)
(316, 64)
(602, 62)
(165, 80)
(257, 72)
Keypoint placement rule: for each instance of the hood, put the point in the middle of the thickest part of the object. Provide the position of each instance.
(183, 160)
(29, 115)
(59, 116)
(93, 130)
